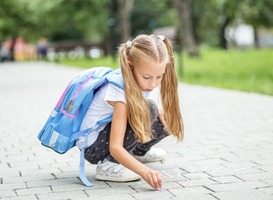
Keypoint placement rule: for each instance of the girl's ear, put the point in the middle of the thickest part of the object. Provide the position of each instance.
(129, 62)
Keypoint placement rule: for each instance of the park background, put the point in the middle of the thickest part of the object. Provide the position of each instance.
(219, 43)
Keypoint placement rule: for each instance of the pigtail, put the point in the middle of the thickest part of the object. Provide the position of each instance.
(139, 115)
(169, 97)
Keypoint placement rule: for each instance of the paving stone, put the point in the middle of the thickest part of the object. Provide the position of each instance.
(133, 184)
(78, 186)
(197, 182)
(112, 197)
(197, 175)
(227, 179)
(224, 171)
(266, 190)
(53, 182)
(39, 172)
(267, 168)
(63, 195)
(110, 191)
(192, 190)
(264, 162)
(243, 194)
(194, 168)
(143, 186)
(153, 195)
(237, 186)
(37, 190)
(268, 181)
(211, 162)
(24, 197)
(9, 172)
(195, 197)
(11, 186)
(7, 193)
(67, 187)
(255, 176)
(28, 165)
(28, 178)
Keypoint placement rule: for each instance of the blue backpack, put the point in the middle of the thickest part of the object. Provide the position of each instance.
(61, 130)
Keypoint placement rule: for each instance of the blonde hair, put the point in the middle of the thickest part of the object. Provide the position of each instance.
(156, 49)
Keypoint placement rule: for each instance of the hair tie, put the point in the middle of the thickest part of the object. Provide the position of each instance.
(129, 44)
(161, 37)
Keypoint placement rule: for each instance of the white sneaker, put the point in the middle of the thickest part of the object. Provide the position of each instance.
(153, 155)
(110, 171)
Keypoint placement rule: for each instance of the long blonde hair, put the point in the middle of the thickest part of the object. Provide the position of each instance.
(157, 49)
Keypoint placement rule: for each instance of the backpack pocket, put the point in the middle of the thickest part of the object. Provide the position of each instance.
(53, 139)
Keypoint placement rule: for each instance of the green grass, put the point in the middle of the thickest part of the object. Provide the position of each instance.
(246, 70)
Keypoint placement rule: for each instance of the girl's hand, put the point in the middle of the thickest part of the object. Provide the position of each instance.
(153, 178)
(161, 117)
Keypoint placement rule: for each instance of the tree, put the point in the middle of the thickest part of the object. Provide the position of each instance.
(74, 20)
(15, 20)
(125, 9)
(185, 26)
(227, 10)
(257, 13)
(148, 15)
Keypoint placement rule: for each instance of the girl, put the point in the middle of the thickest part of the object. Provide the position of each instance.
(121, 147)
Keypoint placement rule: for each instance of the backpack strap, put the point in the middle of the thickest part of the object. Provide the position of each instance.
(83, 177)
(82, 170)
(116, 78)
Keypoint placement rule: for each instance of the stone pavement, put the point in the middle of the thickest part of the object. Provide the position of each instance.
(227, 152)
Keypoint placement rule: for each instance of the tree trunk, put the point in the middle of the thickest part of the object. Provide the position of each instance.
(12, 48)
(125, 8)
(256, 37)
(186, 29)
(222, 38)
(112, 25)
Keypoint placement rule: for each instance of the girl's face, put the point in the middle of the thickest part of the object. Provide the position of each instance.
(148, 75)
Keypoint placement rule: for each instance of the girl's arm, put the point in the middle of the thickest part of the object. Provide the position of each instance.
(117, 134)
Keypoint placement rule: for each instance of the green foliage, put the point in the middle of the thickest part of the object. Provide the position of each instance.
(257, 13)
(15, 19)
(147, 15)
(205, 24)
(74, 20)
(210, 16)
(56, 20)
(245, 70)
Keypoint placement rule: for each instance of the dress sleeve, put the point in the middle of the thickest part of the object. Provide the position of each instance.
(114, 93)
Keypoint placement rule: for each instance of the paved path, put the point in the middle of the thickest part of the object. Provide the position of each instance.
(227, 152)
